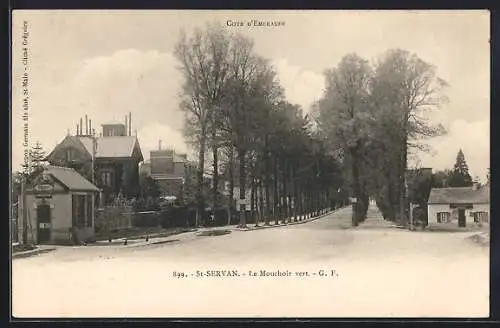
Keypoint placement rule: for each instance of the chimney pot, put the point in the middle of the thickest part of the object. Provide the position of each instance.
(129, 124)
(86, 125)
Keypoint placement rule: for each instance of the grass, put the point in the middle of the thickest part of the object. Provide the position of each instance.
(22, 248)
(141, 233)
(212, 233)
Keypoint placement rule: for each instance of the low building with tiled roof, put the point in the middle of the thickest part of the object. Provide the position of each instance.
(58, 207)
(462, 207)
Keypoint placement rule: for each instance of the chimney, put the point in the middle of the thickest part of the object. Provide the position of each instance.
(81, 126)
(93, 132)
(129, 123)
(90, 127)
(126, 124)
(77, 129)
(159, 144)
(86, 125)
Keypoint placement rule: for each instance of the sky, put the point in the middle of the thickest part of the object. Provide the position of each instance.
(106, 64)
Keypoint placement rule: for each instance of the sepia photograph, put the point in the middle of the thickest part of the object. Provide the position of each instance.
(250, 164)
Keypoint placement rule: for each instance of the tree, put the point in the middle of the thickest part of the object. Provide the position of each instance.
(149, 191)
(460, 176)
(204, 67)
(344, 116)
(419, 187)
(440, 179)
(404, 88)
(36, 158)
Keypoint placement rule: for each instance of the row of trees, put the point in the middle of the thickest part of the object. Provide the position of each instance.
(237, 114)
(375, 116)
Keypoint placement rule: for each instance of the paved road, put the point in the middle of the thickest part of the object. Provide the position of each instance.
(375, 270)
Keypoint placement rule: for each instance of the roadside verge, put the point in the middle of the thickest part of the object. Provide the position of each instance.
(32, 252)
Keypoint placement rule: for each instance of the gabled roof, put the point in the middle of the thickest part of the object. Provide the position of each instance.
(106, 147)
(70, 140)
(112, 147)
(70, 178)
(463, 195)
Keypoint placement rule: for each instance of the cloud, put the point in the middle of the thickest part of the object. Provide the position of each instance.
(301, 86)
(106, 88)
(474, 140)
(150, 135)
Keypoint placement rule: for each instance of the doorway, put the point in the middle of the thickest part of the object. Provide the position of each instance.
(43, 223)
(461, 217)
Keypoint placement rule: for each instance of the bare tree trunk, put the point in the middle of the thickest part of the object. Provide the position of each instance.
(285, 191)
(241, 156)
(267, 211)
(299, 200)
(215, 182)
(402, 184)
(276, 192)
(199, 185)
(356, 186)
(253, 198)
(293, 194)
(261, 202)
(267, 182)
(231, 186)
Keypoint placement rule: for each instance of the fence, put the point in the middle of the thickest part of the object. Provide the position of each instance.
(113, 218)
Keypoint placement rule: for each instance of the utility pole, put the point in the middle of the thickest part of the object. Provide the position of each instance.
(94, 144)
(23, 210)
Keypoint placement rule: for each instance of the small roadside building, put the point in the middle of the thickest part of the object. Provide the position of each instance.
(459, 207)
(59, 206)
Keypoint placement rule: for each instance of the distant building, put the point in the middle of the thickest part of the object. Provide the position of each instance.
(168, 169)
(459, 207)
(113, 157)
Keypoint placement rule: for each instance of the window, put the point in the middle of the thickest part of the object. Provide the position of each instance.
(443, 217)
(89, 211)
(69, 154)
(78, 211)
(107, 178)
(480, 217)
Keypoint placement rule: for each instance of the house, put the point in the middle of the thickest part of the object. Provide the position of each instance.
(459, 207)
(58, 207)
(110, 160)
(168, 169)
